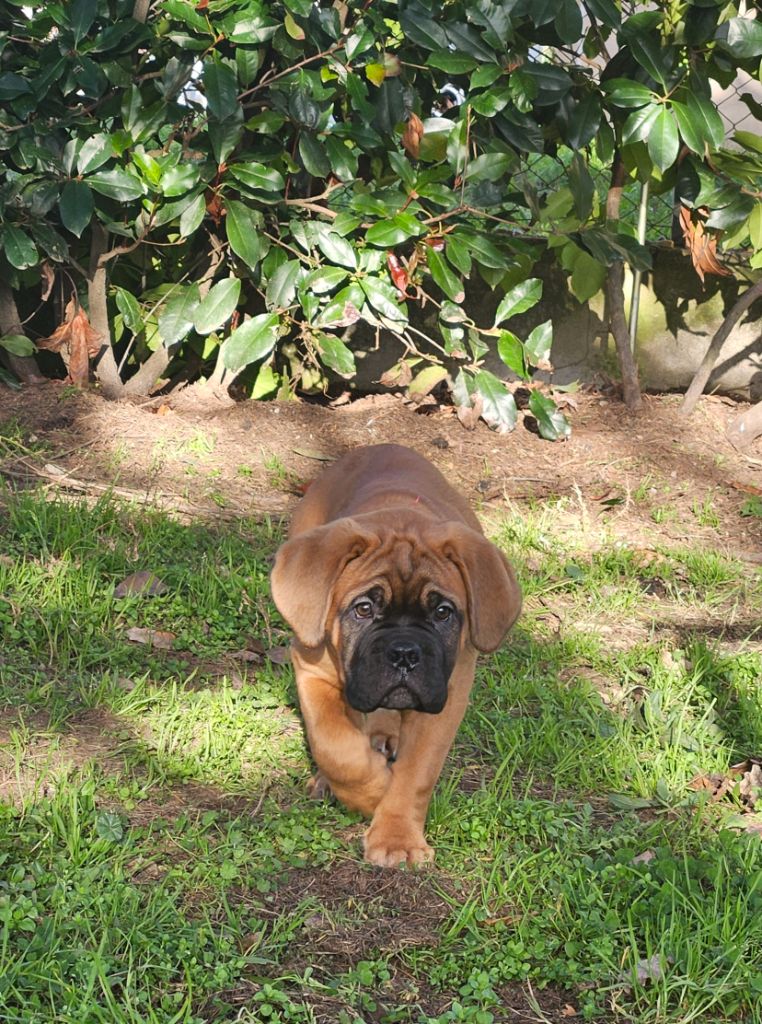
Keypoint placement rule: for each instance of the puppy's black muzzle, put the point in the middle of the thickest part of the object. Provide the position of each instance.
(402, 668)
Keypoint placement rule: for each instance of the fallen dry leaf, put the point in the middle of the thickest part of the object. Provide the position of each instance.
(644, 858)
(77, 342)
(279, 655)
(397, 376)
(469, 415)
(152, 637)
(140, 583)
(703, 247)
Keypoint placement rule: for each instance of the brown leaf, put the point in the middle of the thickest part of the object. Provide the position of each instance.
(279, 655)
(77, 341)
(412, 135)
(48, 280)
(140, 583)
(469, 415)
(152, 637)
(397, 376)
(703, 247)
(214, 207)
(569, 1011)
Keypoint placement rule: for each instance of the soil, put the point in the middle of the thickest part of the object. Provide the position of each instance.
(254, 459)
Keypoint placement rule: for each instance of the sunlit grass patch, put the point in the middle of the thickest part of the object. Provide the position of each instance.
(160, 861)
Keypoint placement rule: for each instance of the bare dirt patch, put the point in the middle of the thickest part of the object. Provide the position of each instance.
(250, 459)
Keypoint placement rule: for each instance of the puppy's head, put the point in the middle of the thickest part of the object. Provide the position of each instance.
(396, 602)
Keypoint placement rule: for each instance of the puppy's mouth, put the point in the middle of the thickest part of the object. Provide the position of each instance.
(400, 696)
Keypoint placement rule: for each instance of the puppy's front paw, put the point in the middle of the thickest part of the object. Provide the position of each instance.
(393, 842)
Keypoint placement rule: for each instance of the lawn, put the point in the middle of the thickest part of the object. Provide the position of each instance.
(160, 861)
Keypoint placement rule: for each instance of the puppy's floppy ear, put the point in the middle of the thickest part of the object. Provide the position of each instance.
(306, 570)
(494, 595)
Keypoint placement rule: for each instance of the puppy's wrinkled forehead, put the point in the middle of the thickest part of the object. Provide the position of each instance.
(405, 568)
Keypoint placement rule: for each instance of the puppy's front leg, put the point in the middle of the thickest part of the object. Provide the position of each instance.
(396, 833)
(357, 775)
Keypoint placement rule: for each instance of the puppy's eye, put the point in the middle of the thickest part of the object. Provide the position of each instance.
(442, 612)
(363, 609)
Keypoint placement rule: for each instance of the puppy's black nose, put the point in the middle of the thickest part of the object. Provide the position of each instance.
(403, 654)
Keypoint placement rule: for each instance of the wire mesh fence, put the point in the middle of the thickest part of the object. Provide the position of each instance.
(739, 105)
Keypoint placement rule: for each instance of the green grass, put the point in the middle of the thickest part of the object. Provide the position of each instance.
(160, 861)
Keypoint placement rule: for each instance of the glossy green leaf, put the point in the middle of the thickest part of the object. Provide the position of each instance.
(217, 308)
(94, 153)
(116, 184)
(537, 346)
(584, 121)
(384, 299)
(221, 89)
(458, 255)
(447, 280)
(253, 340)
(483, 250)
(511, 351)
(325, 279)
(663, 140)
(588, 276)
(12, 86)
(740, 37)
(426, 381)
(244, 228)
(582, 186)
(20, 250)
(699, 122)
(76, 206)
(551, 422)
(388, 233)
(625, 93)
(342, 158)
(498, 404)
(568, 21)
(605, 11)
(281, 288)
(489, 167)
(192, 216)
(640, 122)
(81, 14)
(344, 308)
(552, 82)
(648, 52)
(314, 156)
(519, 299)
(129, 307)
(336, 355)
(755, 225)
(452, 63)
(17, 344)
(176, 320)
(258, 176)
(337, 249)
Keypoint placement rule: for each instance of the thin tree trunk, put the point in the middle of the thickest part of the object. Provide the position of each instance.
(106, 369)
(702, 375)
(25, 367)
(615, 299)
